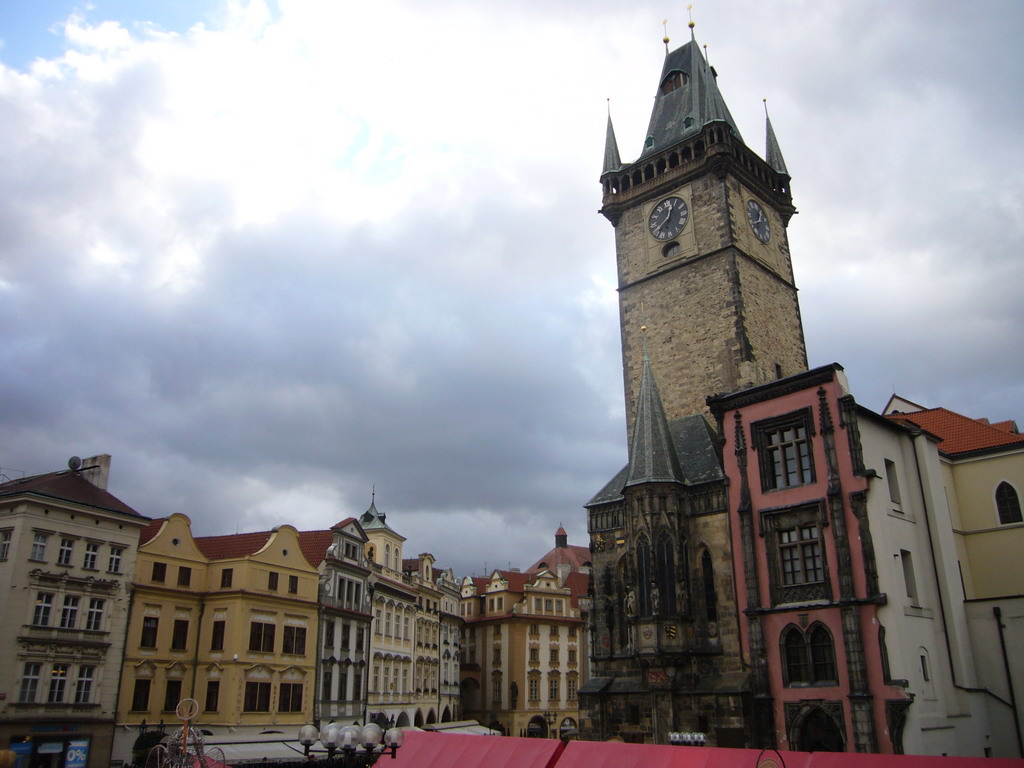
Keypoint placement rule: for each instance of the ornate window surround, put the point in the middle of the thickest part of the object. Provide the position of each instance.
(772, 523)
(761, 434)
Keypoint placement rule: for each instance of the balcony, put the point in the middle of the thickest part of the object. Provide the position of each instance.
(81, 637)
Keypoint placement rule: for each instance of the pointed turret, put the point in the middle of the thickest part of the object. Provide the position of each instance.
(772, 153)
(372, 518)
(612, 162)
(688, 99)
(652, 455)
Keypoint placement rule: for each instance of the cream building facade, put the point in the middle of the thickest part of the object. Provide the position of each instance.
(525, 646)
(345, 625)
(415, 625)
(982, 474)
(67, 557)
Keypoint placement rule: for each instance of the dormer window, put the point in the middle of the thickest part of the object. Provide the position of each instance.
(674, 80)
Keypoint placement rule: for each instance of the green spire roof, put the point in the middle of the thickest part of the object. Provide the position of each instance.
(612, 162)
(688, 99)
(772, 154)
(371, 519)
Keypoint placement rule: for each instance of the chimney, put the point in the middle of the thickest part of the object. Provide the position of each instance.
(563, 570)
(96, 469)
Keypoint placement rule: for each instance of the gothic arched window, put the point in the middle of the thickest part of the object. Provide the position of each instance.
(643, 575)
(794, 654)
(1007, 504)
(666, 575)
(708, 577)
(823, 655)
(808, 659)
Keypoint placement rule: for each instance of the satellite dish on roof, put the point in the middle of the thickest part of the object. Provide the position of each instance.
(75, 463)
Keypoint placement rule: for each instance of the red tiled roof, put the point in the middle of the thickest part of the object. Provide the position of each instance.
(343, 523)
(151, 530)
(573, 556)
(958, 433)
(578, 583)
(67, 485)
(232, 545)
(314, 545)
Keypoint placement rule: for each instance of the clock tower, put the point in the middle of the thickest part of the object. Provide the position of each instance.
(707, 305)
(700, 237)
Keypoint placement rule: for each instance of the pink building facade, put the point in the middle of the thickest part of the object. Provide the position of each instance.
(825, 577)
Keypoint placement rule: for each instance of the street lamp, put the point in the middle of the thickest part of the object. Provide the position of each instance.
(349, 739)
(550, 718)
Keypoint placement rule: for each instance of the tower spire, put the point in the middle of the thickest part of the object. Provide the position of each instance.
(688, 99)
(612, 162)
(652, 455)
(772, 153)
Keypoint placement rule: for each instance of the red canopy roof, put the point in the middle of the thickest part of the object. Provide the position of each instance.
(603, 754)
(457, 750)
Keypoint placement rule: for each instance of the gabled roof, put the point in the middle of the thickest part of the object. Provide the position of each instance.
(961, 434)
(67, 485)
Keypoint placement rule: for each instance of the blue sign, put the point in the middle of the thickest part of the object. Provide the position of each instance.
(78, 753)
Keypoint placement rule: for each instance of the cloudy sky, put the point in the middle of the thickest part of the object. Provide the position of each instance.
(270, 255)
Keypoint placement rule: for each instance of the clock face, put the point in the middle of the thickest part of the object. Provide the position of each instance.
(758, 221)
(668, 218)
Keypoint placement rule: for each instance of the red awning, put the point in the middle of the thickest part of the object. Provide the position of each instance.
(612, 754)
(422, 749)
(604, 754)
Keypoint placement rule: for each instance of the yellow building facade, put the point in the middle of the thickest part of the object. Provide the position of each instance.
(230, 621)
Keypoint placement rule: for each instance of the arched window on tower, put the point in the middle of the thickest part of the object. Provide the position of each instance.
(666, 576)
(710, 595)
(643, 575)
(1007, 504)
(387, 555)
(673, 81)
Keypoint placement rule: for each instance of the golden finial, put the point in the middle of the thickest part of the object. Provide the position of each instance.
(664, 23)
(692, 24)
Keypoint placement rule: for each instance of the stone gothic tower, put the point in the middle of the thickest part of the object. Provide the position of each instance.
(700, 238)
(708, 305)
